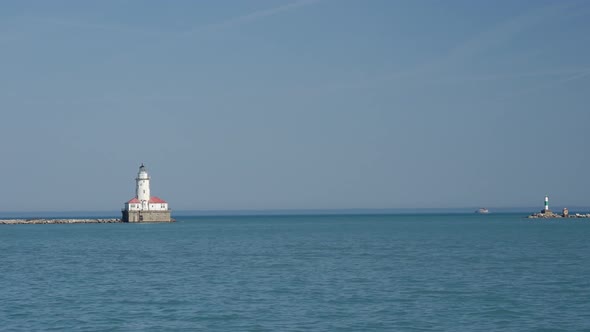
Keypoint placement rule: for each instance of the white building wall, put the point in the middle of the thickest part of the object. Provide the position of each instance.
(146, 206)
(158, 206)
(132, 206)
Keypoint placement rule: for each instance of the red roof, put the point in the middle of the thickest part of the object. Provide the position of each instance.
(155, 199)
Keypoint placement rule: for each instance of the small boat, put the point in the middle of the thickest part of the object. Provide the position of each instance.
(482, 211)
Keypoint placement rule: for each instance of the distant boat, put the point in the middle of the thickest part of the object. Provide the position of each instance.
(482, 211)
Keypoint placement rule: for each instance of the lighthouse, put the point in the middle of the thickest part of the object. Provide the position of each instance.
(144, 207)
(546, 209)
(142, 187)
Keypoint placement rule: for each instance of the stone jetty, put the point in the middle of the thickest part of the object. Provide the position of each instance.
(57, 221)
(546, 213)
(551, 215)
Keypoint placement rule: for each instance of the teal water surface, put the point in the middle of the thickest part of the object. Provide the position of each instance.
(299, 273)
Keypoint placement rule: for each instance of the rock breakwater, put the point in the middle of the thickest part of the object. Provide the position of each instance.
(551, 215)
(57, 221)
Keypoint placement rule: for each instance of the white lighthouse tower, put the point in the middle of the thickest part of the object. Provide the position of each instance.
(142, 187)
(144, 207)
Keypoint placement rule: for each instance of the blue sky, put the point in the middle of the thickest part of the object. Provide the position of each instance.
(294, 104)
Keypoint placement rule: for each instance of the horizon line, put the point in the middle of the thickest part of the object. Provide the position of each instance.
(301, 211)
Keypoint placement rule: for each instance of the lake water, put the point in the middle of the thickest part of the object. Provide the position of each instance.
(299, 273)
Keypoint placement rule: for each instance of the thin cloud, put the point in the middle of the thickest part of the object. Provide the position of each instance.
(251, 17)
(442, 67)
(27, 26)
(569, 72)
(574, 77)
(581, 74)
(108, 26)
(502, 33)
(505, 31)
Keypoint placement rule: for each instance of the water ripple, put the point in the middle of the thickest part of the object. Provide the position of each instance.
(330, 273)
